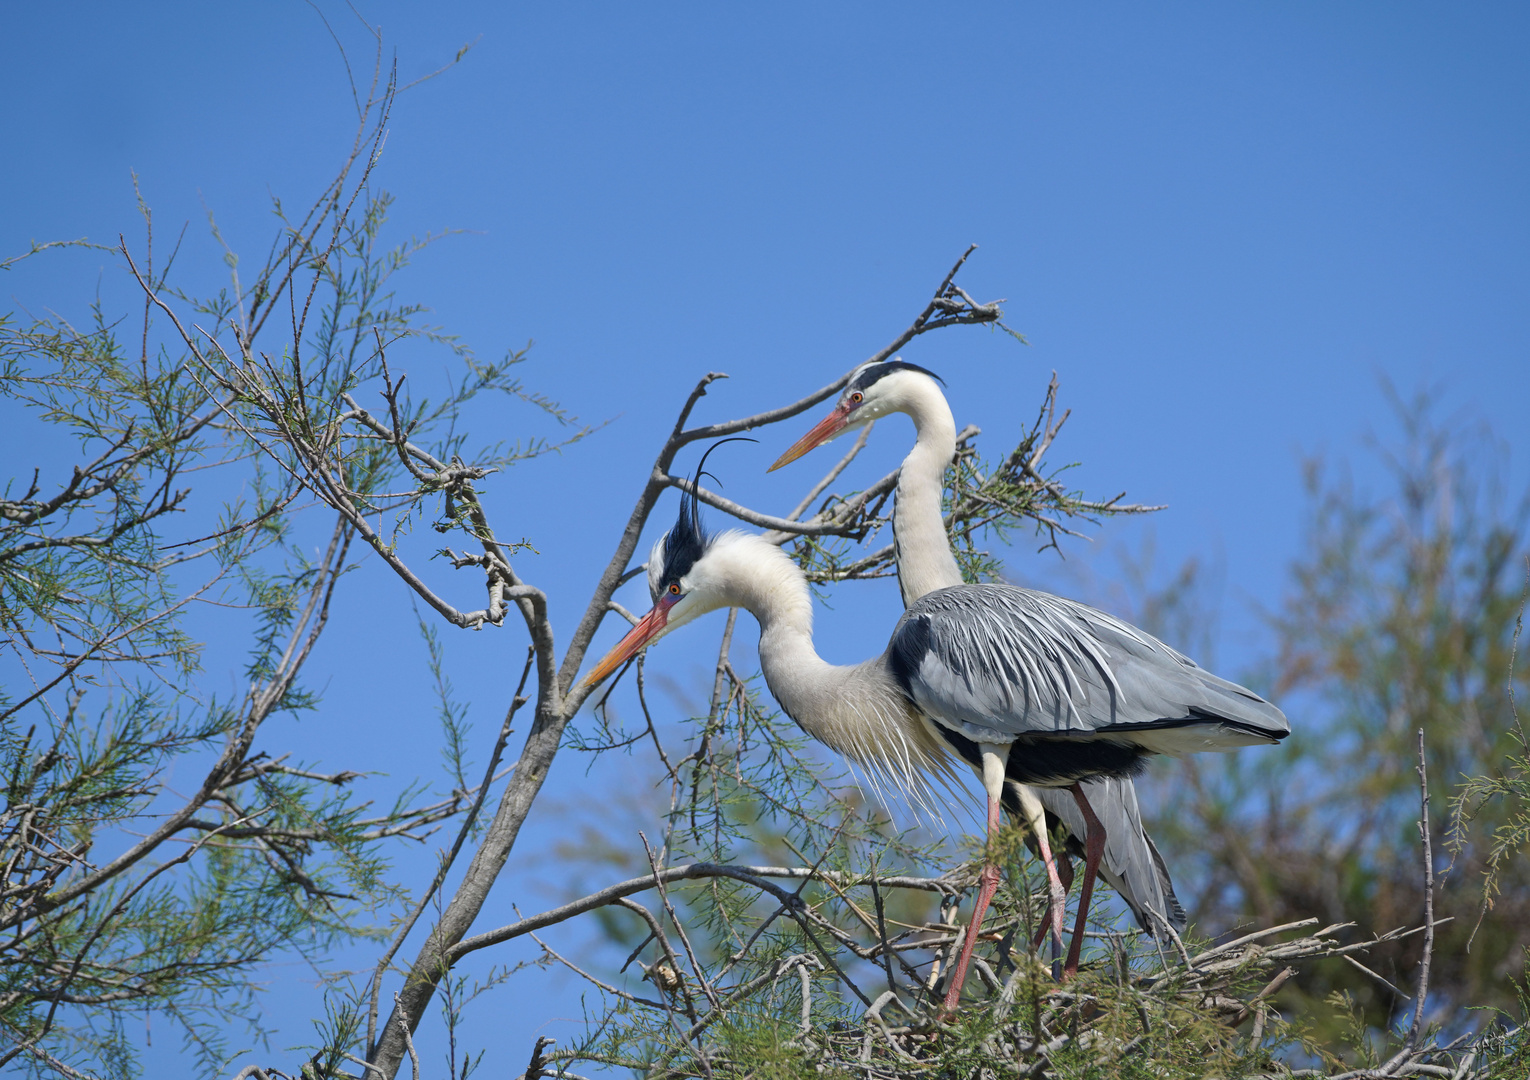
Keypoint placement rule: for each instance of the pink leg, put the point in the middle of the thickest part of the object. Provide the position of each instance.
(988, 884)
(1057, 899)
(1094, 848)
(1065, 878)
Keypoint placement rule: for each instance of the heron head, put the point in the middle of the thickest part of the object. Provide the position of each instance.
(874, 391)
(682, 582)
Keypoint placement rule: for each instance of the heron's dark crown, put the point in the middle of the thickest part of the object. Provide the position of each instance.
(688, 540)
(871, 373)
(683, 544)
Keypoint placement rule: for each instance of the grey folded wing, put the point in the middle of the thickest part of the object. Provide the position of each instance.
(999, 663)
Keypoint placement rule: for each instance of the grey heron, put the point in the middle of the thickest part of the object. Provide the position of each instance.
(1049, 691)
(925, 563)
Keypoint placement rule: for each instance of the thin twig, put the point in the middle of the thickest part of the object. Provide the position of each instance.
(403, 1026)
(1423, 967)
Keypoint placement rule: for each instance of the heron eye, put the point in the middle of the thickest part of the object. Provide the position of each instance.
(674, 588)
(856, 398)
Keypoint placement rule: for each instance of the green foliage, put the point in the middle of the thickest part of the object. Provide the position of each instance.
(102, 697)
(1494, 810)
(186, 520)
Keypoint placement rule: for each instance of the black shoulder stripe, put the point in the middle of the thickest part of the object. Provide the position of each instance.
(910, 643)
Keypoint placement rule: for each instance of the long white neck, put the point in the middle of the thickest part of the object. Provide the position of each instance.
(925, 562)
(858, 709)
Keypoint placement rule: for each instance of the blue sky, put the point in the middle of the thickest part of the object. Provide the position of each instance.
(1221, 225)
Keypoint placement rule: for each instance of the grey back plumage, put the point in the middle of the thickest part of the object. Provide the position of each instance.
(1001, 663)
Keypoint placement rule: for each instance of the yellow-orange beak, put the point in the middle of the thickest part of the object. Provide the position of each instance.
(648, 628)
(822, 432)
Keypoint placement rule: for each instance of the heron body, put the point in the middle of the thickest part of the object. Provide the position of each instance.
(925, 563)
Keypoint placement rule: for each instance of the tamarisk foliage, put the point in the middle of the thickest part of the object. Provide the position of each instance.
(176, 532)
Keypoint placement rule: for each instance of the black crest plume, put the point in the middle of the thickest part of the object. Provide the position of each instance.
(688, 539)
